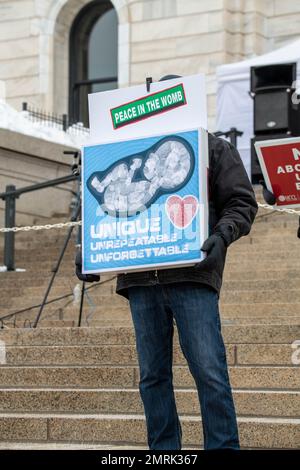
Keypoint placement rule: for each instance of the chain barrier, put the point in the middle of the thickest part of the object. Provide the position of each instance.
(278, 209)
(76, 223)
(40, 227)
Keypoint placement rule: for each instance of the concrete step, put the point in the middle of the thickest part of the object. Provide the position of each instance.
(80, 355)
(125, 320)
(57, 323)
(41, 281)
(241, 354)
(29, 322)
(252, 265)
(125, 335)
(44, 269)
(273, 214)
(103, 317)
(254, 403)
(45, 255)
(288, 320)
(261, 274)
(33, 273)
(261, 309)
(58, 310)
(276, 320)
(282, 295)
(263, 239)
(45, 261)
(241, 377)
(108, 289)
(45, 324)
(57, 290)
(265, 250)
(26, 302)
(237, 298)
(130, 428)
(112, 316)
(39, 249)
(280, 224)
(18, 284)
(261, 256)
(68, 446)
(32, 243)
(263, 321)
(102, 320)
(43, 275)
(259, 284)
(40, 278)
(264, 214)
(38, 239)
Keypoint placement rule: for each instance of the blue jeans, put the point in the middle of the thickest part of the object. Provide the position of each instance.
(196, 313)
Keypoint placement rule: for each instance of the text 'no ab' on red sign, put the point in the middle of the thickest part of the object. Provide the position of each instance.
(280, 165)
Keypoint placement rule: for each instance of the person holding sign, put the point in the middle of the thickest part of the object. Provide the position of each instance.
(189, 296)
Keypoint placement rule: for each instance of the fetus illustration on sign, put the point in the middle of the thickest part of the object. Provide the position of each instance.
(130, 185)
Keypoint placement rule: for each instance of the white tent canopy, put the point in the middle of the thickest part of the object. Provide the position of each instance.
(234, 105)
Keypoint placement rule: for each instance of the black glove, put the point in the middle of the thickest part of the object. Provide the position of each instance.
(216, 246)
(84, 277)
(268, 196)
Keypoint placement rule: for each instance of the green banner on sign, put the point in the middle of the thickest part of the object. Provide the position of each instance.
(148, 106)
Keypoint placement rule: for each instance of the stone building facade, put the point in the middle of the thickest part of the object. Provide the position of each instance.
(152, 38)
(155, 37)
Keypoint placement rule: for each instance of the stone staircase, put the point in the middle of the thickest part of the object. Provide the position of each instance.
(68, 387)
(79, 387)
(261, 280)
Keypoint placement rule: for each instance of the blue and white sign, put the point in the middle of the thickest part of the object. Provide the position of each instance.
(144, 202)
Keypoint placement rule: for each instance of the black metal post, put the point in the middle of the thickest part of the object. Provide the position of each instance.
(75, 115)
(79, 229)
(81, 304)
(56, 267)
(10, 219)
(65, 122)
(233, 135)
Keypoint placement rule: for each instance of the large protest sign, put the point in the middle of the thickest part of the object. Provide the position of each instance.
(144, 202)
(280, 164)
(170, 106)
(144, 179)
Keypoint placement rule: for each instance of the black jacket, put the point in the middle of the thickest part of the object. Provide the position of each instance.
(231, 201)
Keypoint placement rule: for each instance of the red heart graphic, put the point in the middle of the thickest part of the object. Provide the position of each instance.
(181, 210)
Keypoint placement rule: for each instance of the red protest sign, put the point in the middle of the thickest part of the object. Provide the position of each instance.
(280, 164)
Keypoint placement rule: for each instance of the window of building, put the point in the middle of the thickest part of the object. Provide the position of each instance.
(93, 56)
